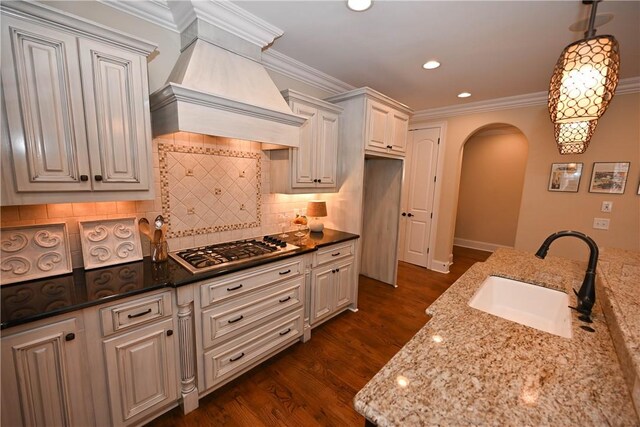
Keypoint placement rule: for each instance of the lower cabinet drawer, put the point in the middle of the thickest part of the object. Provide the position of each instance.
(234, 317)
(127, 315)
(243, 352)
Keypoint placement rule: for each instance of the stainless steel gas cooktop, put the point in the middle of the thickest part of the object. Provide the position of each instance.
(220, 255)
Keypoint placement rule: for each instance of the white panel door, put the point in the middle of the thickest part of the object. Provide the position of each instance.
(418, 193)
(44, 107)
(141, 371)
(326, 149)
(304, 156)
(115, 85)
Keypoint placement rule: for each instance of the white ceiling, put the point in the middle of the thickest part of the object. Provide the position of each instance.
(493, 49)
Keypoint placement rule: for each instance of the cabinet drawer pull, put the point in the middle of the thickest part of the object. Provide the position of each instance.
(70, 336)
(142, 313)
(169, 332)
(237, 319)
(235, 288)
(285, 299)
(336, 254)
(233, 359)
(282, 273)
(285, 332)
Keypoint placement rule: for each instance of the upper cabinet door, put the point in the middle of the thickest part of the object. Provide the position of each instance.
(115, 90)
(327, 149)
(44, 109)
(399, 131)
(377, 125)
(303, 157)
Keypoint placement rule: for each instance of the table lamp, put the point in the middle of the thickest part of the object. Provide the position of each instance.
(316, 209)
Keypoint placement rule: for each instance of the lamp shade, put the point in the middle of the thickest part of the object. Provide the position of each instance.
(316, 209)
(574, 137)
(584, 80)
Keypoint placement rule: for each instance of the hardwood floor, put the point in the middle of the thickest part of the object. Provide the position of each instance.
(313, 384)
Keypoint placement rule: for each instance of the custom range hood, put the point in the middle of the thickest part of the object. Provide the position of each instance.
(218, 85)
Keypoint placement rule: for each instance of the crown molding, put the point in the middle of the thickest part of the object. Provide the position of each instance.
(625, 86)
(155, 11)
(281, 63)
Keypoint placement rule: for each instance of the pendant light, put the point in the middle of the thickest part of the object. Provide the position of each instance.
(582, 85)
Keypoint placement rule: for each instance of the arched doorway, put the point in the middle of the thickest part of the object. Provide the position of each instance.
(494, 159)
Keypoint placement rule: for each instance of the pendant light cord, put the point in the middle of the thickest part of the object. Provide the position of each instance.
(592, 20)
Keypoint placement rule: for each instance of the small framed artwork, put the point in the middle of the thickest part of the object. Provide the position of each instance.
(565, 177)
(610, 178)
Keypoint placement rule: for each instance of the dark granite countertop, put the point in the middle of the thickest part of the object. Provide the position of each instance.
(38, 299)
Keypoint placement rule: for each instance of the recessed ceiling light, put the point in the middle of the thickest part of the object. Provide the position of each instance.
(464, 95)
(359, 5)
(430, 65)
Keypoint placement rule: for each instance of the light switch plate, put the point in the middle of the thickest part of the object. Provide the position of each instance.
(607, 207)
(601, 223)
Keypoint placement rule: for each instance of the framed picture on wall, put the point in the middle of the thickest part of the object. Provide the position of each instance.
(565, 177)
(610, 178)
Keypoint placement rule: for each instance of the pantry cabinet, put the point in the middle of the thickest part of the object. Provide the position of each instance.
(44, 375)
(76, 109)
(313, 165)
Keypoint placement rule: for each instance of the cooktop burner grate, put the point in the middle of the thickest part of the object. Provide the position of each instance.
(209, 257)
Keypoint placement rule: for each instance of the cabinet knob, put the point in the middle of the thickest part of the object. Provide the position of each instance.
(410, 215)
(315, 180)
(70, 336)
(170, 332)
(337, 270)
(84, 178)
(98, 177)
(389, 147)
(404, 214)
(319, 181)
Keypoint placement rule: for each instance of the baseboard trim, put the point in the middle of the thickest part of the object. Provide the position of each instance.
(481, 246)
(440, 266)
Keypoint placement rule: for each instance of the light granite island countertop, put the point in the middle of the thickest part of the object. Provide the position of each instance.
(467, 367)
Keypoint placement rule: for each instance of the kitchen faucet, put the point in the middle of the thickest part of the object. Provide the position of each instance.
(587, 293)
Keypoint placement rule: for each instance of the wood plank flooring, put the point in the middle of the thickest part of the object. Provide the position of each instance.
(313, 384)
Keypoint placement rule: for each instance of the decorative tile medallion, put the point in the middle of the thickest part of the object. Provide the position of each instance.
(207, 190)
(34, 251)
(109, 241)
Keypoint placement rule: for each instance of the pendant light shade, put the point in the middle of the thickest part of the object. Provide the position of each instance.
(574, 137)
(583, 83)
(584, 80)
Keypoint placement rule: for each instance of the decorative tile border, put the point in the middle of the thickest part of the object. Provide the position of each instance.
(34, 251)
(109, 241)
(200, 194)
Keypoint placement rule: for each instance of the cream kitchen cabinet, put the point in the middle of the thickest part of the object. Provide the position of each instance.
(387, 129)
(313, 165)
(76, 109)
(135, 351)
(333, 281)
(247, 317)
(44, 375)
(381, 123)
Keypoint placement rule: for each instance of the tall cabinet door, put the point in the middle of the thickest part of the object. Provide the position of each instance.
(321, 294)
(43, 377)
(43, 95)
(141, 371)
(399, 131)
(115, 87)
(327, 149)
(377, 125)
(344, 285)
(303, 156)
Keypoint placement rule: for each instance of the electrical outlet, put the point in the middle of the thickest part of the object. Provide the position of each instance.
(607, 207)
(241, 174)
(601, 223)
(242, 207)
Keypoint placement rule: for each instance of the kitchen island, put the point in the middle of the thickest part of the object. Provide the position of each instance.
(467, 367)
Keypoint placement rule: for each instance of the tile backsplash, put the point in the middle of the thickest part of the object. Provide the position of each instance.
(272, 211)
